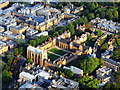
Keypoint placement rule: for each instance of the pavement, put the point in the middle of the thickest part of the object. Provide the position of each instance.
(54, 54)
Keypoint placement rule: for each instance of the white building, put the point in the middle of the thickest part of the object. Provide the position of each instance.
(2, 29)
(66, 84)
(74, 70)
(7, 21)
(114, 65)
(44, 33)
(43, 74)
(104, 74)
(31, 32)
(26, 76)
(36, 55)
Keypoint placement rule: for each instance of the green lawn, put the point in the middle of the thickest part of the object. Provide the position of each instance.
(52, 57)
(57, 51)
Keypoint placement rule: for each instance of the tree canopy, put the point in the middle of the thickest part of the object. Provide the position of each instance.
(88, 64)
(89, 82)
(38, 40)
(71, 28)
(66, 72)
(6, 77)
(99, 32)
(116, 55)
(104, 46)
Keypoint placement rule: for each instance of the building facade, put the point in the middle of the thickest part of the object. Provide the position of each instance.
(18, 29)
(36, 55)
(3, 3)
(111, 64)
(104, 74)
(3, 47)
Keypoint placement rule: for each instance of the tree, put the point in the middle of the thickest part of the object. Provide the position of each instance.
(9, 62)
(7, 67)
(89, 82)
(109, 15)
(55, 34)
(21, 41)
(90, 42)
(93, 84)
(101, 62)
(107, 86)
(69, 73)
(66, 72)
(92, 6)
(84, 18)
(118, 80)
(89, 37)
(99, 32)
(101, 41)
(2, 64)
(91, 16)
(104, 46)
(85, 78)
(114, 86)
(118, 41)
(89, 64)
(80, 21)
(7, 53)
(116, 55)
(16, 51)
(6, 77)
(75, 22)
(28, 60)
(38, 40)
(102, 14)
(5, 58)
(32, 42)
(115, 14)
(71, 28)
(88, 25)
(20, 50)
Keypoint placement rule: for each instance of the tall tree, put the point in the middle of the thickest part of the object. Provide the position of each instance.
(6, 77)
(89, 64)
(92, 6)
(116, 55)
(71, 28)
(69, 73)
(91, 16)
(16, 51)
(84, 18)
(32, 42)
(99, 32)
(20, 50)
(104, 46)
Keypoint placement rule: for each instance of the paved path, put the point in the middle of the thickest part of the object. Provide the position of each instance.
(65, 50)
(60, 49)
(54, 54)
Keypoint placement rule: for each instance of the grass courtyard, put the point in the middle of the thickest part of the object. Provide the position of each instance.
(52, 57)
(57, 51)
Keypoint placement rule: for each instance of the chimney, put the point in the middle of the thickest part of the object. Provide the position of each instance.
(75, 37)
(77, 27)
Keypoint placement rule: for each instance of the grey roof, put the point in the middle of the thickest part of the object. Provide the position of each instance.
(112, 61)
(10, 42)
(36, 50)
(18, 27)
(1, 27)
(76, 45)
(70, 83)
(103, 77)
(64, 41)
(2, 1)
